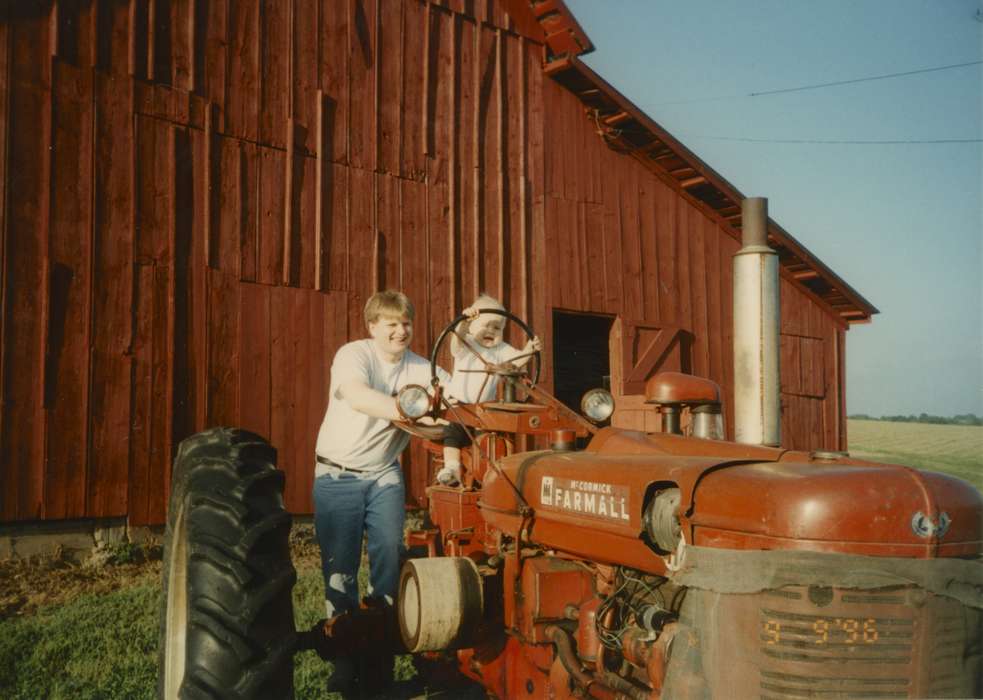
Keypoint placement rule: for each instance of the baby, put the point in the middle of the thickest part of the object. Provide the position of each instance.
(483, 335)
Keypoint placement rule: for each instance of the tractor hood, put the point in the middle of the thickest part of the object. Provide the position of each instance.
(591, 503)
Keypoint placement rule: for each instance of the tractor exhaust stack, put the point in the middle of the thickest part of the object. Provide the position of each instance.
(757, 405)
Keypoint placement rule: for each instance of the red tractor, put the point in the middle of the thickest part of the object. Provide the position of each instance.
(614, 564)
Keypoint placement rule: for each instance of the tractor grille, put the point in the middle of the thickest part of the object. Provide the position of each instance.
(824, 643)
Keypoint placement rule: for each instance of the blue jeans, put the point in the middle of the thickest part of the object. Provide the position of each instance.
(346, 506)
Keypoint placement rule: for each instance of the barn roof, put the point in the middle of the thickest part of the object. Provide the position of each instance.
(626, 128)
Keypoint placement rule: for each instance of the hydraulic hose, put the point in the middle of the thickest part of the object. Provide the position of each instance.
(563, 642)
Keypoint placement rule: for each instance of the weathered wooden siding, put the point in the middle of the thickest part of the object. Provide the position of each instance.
(199, 195)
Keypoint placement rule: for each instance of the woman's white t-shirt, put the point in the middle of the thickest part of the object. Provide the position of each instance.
(352, 438)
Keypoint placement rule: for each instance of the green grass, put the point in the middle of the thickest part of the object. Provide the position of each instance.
(104, 647)
(97, 647)
(952, 449)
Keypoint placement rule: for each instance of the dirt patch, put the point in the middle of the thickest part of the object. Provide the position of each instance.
(29, 584)
(26, 585)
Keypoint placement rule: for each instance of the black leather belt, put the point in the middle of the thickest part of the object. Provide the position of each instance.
(328, 463)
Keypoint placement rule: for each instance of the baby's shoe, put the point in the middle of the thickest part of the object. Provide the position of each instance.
(449, 475)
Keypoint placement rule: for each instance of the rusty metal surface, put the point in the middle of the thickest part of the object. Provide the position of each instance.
(198, 203)
(799, 641)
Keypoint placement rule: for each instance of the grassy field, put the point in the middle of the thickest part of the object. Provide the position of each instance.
(103, 646)
(952, 449)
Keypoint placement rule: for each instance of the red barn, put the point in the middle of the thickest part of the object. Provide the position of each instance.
(199, 195)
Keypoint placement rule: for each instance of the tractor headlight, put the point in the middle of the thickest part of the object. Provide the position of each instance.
(597, 405)
(413, 402)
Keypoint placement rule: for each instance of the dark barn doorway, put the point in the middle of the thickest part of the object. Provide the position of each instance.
(580, 355)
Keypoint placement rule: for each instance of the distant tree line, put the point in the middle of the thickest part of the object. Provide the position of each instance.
(964, 419)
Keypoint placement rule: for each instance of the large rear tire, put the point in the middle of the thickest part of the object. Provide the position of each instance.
(227, 624)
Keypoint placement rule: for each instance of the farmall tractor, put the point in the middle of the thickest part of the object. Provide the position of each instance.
(612, 564)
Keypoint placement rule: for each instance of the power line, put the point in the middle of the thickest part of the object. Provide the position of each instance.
(819, 86)
(833, 141)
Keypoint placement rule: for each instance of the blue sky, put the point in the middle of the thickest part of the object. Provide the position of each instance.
(901, 223)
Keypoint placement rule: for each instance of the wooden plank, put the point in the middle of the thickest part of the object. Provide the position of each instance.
(813, 368)
(647, 205)
(322, 207)
(138, 44)
(243, 75)
(304, 216)
(210, 156)
(415, 271)
(551, 243)
(183, 25)
(439, 282)
(227, 213)
(223, 348)
(595, 256)
(485, 179)
(613, 265)
(276, 59)
(335, 218)
(212, 57)
(111, 360)
(712, 261)
(496, 167)
(439, 75)
(270, 242)
(699, 289)
(289, 425)
(362, 243)
(412, 137)
(25, 282)
(196, 316)
(841, 406)
(578, 232)
(788, 364)
(312, 400)
(251, 216)
(306, 29)
(5, 235)
(389, 57)
(522, 267)
(680, 256)
(728, 247)
(291, 212)
(161, 398)
(666, 233)
(156, 214)
(137, 484)
(334, 76)
(488, 179)
(362, 86)
(289, 336)
(256, 358)
(511, 81)
(793, 312)
(66, 372)
(467, 186)
(553, 150)
(388, 248)
(183, 297)
(151, 190)
(631, 245)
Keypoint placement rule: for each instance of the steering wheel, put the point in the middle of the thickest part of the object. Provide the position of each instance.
(489, 367)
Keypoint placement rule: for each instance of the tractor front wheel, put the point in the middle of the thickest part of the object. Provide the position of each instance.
(227, 624)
